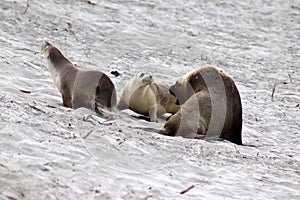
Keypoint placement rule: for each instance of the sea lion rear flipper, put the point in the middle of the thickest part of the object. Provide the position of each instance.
(104, 113)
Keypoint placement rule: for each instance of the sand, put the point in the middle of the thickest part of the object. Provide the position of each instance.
(43, 154)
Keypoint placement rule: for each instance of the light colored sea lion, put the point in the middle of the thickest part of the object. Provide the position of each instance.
(142, 95)
(211, 106)
(90, 89)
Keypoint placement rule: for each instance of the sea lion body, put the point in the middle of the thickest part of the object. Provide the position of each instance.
(211, 106)
(90, 89)
(142, 95)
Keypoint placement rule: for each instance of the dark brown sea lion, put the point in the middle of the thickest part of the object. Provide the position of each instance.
(211, 106)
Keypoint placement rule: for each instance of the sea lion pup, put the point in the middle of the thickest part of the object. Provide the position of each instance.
(142, 95)
(211, 106)
(90, 89)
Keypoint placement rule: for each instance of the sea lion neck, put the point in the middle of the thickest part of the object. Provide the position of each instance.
(57, 58)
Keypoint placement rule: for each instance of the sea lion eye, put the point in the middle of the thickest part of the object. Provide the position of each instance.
(142, 74)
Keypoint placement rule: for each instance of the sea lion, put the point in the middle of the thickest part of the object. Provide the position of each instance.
(90, 89)
(142, 95)
(211, 106)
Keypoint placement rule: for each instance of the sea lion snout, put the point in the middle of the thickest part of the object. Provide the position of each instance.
(45, 46)
(147, 78)
(172, 90)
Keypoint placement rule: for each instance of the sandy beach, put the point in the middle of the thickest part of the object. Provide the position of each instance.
(43, 153)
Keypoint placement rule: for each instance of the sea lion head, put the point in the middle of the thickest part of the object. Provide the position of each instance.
(53, 55)
(146, 78)
(45, 48)
(143, 79)
(182, 90)
(188, 85)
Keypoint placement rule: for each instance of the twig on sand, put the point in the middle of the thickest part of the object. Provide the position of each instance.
(50, 106)
(25, 91)
(91, 2)
(1, 165)
(273, 91)
(147, 197)
(35, 108)
(27, 6)
(290, 77)
(87, 134)
(187, 189)
(2, 97)
(257, 155)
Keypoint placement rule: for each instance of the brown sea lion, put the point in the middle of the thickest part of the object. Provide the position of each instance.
(211, 106)
(142, 95)
(90, 89)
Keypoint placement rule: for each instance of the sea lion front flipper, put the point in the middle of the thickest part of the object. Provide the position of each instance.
(67, 102)
(155, 111)
(199, 136)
